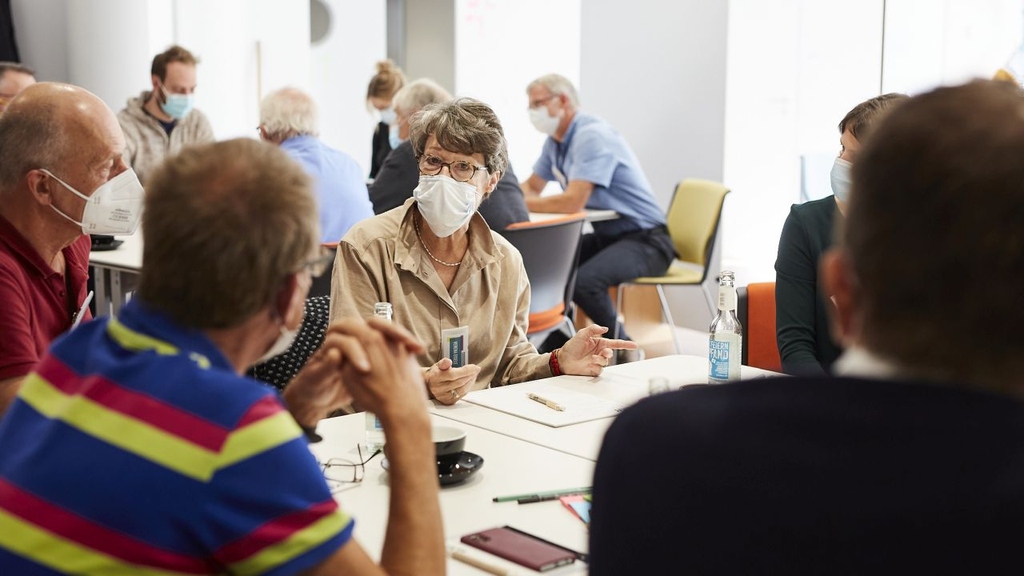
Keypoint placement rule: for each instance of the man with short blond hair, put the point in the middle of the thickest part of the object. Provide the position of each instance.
(288, 118)
(163, 120)
(60, 147)
(138, 445)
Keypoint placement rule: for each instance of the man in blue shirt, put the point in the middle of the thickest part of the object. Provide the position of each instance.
(596, 169)
(137, 446)
(288, 118)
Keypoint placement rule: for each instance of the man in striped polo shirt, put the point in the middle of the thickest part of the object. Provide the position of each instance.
(137, 445)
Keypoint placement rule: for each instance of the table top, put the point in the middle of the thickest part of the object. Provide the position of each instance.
(592, 215)
(626, 384)
(127, 256)
(510, 467)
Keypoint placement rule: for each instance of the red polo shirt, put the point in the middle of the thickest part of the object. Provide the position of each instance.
(36, 303)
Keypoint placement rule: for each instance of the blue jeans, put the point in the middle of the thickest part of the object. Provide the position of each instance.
(609, 261)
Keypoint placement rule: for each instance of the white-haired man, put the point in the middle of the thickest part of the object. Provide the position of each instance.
(288, 118)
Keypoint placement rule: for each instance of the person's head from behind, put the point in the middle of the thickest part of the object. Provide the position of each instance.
(930, 260)
(173, 75)
(409, 100)
(382, 88)
(853, 128)
(552, 103)
(287, 113)
(61, 145)
(14, 78)
(461, 151)
(230, 231)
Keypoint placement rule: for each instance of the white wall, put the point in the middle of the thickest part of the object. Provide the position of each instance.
(657, 72)
(41, 27)
(494, 65)
(247, 48)
(928, 43)
(795, 67)
(341, 67)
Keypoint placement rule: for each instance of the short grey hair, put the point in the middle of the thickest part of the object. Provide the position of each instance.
(35, 133)
(417, 94)
(289, 112)
(557, 84)
(465, 126)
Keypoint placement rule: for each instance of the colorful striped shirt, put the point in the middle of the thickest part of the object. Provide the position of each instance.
(134, 448)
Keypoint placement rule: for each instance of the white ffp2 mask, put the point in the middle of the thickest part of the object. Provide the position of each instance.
(114, 207)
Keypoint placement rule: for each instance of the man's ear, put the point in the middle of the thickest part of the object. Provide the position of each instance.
(40, 185)
(155, 80)
(841, 288)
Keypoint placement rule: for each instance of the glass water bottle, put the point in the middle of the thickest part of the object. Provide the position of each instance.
(725, 336)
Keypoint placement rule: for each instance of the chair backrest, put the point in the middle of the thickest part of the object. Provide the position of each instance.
(279, 370)
(693, 219)
(550, 250)
(757, 314)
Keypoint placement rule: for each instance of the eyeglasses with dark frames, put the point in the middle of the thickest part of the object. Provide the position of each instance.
(541, 101)
(318, 266)
(460, 170)
(342, 474)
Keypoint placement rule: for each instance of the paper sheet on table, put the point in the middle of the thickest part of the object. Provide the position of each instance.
(513, 399)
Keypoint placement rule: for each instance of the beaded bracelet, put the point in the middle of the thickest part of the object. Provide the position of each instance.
(556, 370)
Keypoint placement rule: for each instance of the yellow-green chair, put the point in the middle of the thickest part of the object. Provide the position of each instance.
(693, 218)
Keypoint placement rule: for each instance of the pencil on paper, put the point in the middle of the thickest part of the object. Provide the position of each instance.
(549, 403)
(556, 493)
(476, 563)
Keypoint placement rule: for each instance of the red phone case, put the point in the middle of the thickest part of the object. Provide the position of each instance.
(519, 548)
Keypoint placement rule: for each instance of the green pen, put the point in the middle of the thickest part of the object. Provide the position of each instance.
(549, 493)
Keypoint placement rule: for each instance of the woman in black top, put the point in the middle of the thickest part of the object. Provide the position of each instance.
(388, 79)
(801, 310)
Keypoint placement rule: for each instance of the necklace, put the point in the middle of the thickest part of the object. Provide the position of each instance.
(416, 224)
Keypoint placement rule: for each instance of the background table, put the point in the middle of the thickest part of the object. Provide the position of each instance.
(116, 273)
(626, 384)
(510, 467)
(592, 215)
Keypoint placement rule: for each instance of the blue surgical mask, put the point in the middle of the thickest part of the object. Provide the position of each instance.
(388, 115)
(841, 179)
(393, 138)
(177, 106)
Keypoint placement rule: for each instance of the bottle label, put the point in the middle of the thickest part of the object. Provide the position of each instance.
(726, 298)
(724, 353)
(374, 432)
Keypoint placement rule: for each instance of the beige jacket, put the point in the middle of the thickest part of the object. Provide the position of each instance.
(382, 260)
(146, 143)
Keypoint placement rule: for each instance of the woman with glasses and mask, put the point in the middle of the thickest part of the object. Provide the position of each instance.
(455, 284)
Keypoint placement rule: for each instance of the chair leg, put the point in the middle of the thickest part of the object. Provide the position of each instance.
(668, 316)
(618, 310)
(712, 307)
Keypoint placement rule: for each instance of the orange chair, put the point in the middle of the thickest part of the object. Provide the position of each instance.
(757, 315)
(550, 250)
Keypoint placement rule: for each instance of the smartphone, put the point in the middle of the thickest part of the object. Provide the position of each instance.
(519, 547)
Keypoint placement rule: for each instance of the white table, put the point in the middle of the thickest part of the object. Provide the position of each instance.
(625, 384)
(510, 467)
(116, 273)
(592, 215)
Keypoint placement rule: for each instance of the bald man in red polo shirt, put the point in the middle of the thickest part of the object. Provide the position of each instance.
(60, 145)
